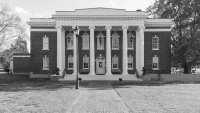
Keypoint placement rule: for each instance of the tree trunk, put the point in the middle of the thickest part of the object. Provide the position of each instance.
(186, 67)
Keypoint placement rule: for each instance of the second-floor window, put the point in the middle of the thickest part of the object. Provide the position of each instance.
(45, 43)
(100, 41)
(70, 41)
(86, 41)
(115, 41)
(155, 43)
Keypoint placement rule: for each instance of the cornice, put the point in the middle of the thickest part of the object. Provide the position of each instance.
(41, 23)
(97, 17)
(154, 24)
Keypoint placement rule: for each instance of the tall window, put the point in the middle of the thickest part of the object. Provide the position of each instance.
(45, 63)
(115, 41)
(155, 64)
(115, 62)
(155, 43)
(85, 62)
(70, 62)
(130, 41)
(85, 41)
(100, 41)
(130, 62)
(45, 43)
(70, 41)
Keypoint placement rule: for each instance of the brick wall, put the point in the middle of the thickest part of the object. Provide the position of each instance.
(21, 64)
(164, 52)
(37, 54)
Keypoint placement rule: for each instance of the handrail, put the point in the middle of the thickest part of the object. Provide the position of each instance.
(63, 74)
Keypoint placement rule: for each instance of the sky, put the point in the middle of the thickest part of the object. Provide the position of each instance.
(27, 9)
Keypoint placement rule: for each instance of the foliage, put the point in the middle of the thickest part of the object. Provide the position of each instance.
(19, 46)
(186, 30)
(10, 26)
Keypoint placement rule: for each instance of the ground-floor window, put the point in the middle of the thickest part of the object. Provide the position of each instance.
(85, 62)
(70, 62)
(45, 63)
(155, 63)
(115, 62)
(130, 62)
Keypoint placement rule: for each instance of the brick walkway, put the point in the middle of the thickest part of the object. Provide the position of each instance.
(99, 97)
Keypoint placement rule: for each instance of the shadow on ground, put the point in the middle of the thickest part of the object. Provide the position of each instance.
(149, 84)
(11, 83)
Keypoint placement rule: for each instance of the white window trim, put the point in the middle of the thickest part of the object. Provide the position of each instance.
(117, 62)
(84, 62)
(43, 43)
(88, 42)
(157, 63)
(68, 42)
(43, 63)
(158, 43)
(72, 62)
(132, 42)
(117, 41)
(102, 41)
(132, 63)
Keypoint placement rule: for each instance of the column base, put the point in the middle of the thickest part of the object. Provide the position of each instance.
(92, 73)
(108, 74)
(125, 74)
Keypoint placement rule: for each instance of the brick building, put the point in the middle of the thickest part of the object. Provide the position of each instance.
(112, 43)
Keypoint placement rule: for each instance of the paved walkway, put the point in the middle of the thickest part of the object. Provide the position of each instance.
(99, 97)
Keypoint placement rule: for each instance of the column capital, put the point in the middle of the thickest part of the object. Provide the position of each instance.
(124, 27)
(59, 27)
(108, 27)
(91, 27)
(140, 27)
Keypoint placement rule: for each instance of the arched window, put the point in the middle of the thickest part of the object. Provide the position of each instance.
(70, 39)
(155, 43)
(85, 38)
(130, 41)
(115, 41)
(100, 41)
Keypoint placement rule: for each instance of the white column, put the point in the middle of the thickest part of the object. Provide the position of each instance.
(138, 50)
(125, 63)
(92, 51)
(141, 48)
(74, 55)
(63, 49)
(108, 51)
(59, 49)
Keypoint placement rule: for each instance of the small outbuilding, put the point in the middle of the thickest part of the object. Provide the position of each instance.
(20, 63)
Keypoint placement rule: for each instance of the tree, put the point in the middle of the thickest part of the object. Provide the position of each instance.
(19, 46)
(186, 30)
(10, 24)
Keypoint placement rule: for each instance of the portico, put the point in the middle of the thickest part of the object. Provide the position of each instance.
(124, 28)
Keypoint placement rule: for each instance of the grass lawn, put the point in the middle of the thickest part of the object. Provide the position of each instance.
(166, 98)
(22, 94)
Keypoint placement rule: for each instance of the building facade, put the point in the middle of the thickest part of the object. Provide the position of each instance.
(111, 44)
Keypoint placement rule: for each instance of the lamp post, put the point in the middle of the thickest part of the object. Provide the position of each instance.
(76, 32)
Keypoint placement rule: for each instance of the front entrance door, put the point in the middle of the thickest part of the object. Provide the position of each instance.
(100, 65)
